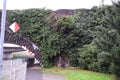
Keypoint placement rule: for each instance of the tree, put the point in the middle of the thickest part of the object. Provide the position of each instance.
(116, 49)
(108, 37)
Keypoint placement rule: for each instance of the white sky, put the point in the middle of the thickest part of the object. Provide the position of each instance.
(52, 4)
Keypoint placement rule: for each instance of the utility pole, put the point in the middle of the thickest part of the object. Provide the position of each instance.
(3, 20)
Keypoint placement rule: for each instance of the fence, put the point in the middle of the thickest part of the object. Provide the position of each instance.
(13, 70)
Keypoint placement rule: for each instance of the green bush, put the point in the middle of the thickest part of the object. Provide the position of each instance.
(87, 56)
(115, 56)
(90, 58)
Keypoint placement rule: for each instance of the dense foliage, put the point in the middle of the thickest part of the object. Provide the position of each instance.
(90, 37)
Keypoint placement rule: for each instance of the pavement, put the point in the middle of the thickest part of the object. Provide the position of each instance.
(34, 73)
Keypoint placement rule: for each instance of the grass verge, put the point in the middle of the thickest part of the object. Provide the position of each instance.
(79, 74)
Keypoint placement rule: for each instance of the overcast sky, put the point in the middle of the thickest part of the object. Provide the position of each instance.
(52, 4)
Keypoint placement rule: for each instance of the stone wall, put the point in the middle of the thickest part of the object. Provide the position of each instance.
(13, 69)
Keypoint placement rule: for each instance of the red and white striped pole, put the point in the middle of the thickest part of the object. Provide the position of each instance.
(3, 20)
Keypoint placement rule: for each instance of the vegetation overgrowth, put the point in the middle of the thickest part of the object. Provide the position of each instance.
(90, 37)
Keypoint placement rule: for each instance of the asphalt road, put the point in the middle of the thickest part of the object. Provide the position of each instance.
(34, 73)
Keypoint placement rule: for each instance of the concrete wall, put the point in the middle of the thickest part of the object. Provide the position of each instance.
(13, 70)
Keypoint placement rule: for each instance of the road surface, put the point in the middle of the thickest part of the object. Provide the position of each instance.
(35, 73)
